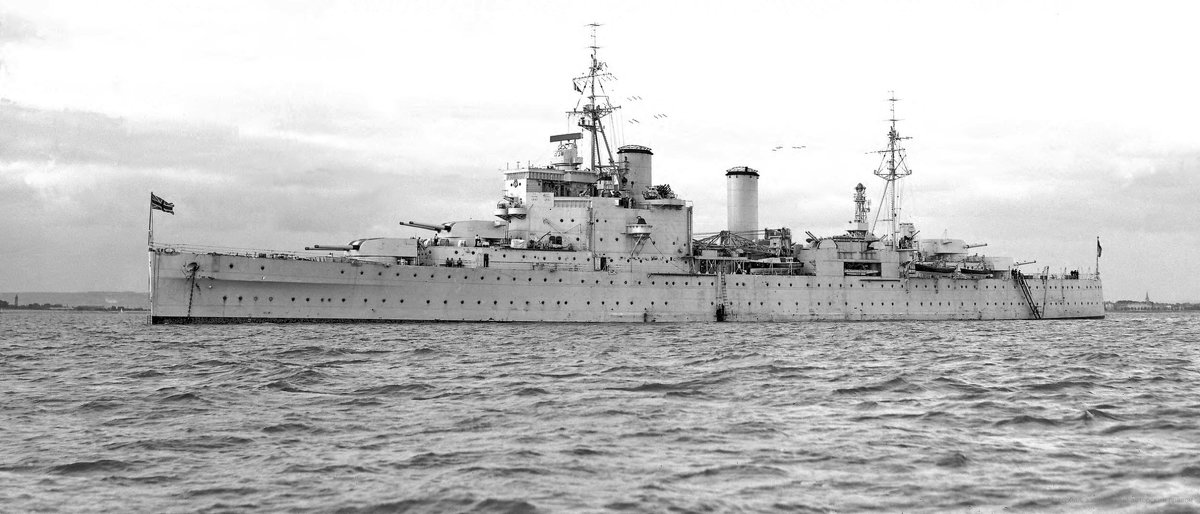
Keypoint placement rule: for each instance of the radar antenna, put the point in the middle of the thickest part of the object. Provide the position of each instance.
(892, 168)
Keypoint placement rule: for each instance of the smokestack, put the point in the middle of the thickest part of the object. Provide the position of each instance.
(637, 161)
(742, 201)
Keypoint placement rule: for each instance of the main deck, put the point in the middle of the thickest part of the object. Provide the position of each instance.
(191, 287)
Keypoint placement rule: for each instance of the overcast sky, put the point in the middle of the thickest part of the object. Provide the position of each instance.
(1036, 126)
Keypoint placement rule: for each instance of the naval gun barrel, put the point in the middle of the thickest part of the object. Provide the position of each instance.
(974, 245)
(427, 226)
(330, 248)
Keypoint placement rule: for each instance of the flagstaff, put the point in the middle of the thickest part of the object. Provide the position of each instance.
(156, 203)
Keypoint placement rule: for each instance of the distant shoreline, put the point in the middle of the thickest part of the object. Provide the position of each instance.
(77, 308)
(1146, 306)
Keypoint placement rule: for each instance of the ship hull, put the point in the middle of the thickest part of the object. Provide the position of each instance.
(221, 288)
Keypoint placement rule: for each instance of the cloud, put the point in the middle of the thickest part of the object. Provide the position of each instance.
(74, 190)
(14, 28)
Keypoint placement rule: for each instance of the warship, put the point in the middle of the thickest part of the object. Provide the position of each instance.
(590, 237)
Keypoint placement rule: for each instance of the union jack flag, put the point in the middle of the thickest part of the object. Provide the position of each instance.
(158, 203)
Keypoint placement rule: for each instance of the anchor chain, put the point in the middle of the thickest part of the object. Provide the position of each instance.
(191, 269)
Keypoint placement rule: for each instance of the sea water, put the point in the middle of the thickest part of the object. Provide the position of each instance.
(104, 412)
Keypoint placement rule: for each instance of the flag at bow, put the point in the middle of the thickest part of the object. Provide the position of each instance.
(160, 204)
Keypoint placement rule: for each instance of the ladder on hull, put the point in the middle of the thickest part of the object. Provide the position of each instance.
(1024, 287)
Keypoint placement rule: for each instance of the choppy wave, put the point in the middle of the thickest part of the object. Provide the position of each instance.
(105, 412)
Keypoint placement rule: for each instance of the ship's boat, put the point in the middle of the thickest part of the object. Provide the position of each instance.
(598, 240)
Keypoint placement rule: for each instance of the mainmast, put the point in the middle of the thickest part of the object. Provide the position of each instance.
(891, 168)
(592, 113)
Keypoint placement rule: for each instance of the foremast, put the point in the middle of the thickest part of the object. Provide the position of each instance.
(591, 117)
(892, 168)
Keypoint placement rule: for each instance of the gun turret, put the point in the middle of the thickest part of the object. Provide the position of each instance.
(427, 226)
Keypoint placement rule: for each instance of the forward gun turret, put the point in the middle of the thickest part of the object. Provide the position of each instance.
(427, 226)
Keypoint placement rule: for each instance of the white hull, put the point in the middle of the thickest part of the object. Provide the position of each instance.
(235, 288)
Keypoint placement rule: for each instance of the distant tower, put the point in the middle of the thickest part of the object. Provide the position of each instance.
(17, 299)
(742, 201)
